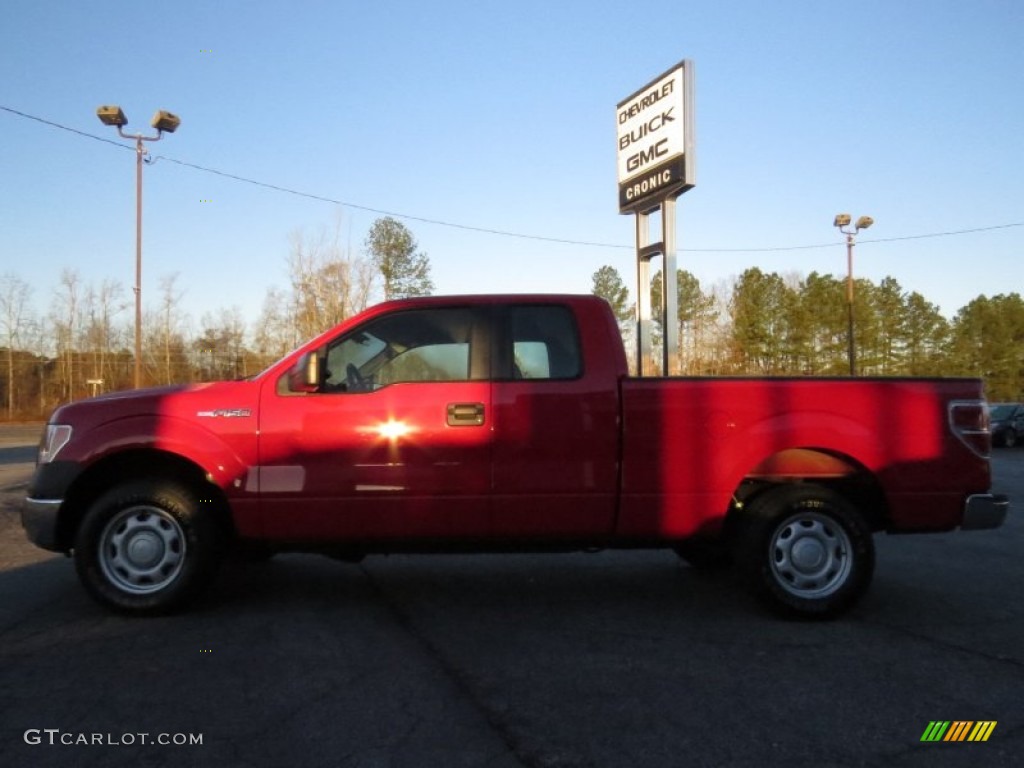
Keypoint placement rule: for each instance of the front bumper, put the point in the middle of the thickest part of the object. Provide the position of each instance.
(985, 510)
(39, 519)
(40, 511)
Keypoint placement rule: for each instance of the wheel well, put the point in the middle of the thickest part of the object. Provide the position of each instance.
(138, 464)
(835, 471)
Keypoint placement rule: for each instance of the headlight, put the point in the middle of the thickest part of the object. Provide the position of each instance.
(55, 438)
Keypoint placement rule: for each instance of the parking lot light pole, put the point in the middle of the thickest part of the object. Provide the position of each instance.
(163, 122)
(843, 220)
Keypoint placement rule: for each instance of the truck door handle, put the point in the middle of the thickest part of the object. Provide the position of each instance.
(465, 414)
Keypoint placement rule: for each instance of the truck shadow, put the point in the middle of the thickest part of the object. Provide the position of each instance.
(474, 586)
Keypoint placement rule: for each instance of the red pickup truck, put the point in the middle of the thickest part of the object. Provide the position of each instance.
(505, 423)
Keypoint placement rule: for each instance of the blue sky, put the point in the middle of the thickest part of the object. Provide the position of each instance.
(502, 116)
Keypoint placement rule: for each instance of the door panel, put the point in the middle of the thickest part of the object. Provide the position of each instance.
(556, 433)
(375, 453)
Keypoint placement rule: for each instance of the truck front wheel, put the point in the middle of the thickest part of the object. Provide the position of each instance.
(145, 548)
(806, 550)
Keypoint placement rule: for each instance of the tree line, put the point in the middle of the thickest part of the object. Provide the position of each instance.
(760, 323)
(767, 324)
(83, 345)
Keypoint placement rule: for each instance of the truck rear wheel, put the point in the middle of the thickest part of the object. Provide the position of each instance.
(806, 550)
(145, 548)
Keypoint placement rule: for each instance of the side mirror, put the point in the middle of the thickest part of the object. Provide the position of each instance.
(305, 374)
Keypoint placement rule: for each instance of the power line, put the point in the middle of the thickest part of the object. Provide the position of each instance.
(65, 128)
(860, 241)
(944, 234)
(500, 232)
(410, 217)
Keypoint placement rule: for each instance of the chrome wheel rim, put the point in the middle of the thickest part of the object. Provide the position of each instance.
(142, 550)
(810, 555)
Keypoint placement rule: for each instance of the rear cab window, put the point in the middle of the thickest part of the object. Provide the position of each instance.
(544, 343)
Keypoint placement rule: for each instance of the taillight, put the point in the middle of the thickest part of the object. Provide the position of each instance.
(969, 421)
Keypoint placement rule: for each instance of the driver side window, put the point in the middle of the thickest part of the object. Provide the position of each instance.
(413, 346)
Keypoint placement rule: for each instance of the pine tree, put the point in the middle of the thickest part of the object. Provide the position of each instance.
(392, 249)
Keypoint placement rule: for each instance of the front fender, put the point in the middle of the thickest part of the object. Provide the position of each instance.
(224, 458)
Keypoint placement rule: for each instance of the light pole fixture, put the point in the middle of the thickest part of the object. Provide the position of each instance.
(842, 220)
(164, 122)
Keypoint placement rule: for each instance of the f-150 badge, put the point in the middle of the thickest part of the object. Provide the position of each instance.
(227, 413)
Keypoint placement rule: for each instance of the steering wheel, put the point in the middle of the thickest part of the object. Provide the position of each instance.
(355, 382)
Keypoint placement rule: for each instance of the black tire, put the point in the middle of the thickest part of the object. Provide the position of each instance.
(704, 554)
(1010, 438)
(806, 551)
(145, 548)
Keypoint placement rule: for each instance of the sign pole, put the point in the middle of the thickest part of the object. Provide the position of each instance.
(655, 142)
(668, 312)
(643, 298)
(670, 363)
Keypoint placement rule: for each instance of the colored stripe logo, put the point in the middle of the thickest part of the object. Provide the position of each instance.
(958, 730)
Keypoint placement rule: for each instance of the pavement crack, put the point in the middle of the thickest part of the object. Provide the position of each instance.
(967, 651)
(453, 673)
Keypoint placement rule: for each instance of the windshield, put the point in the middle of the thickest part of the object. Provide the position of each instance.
(1000, 412)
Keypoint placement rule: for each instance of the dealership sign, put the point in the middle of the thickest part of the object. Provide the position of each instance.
(655, 141)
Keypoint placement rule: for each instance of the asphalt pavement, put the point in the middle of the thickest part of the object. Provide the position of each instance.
(17, 453)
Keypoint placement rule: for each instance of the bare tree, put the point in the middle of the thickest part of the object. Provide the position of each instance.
(65, 315)
(101, 305)
(14, 316)
(220, 346)
(275, 333)
(41, 375)
(328, 283)
(170, 340)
